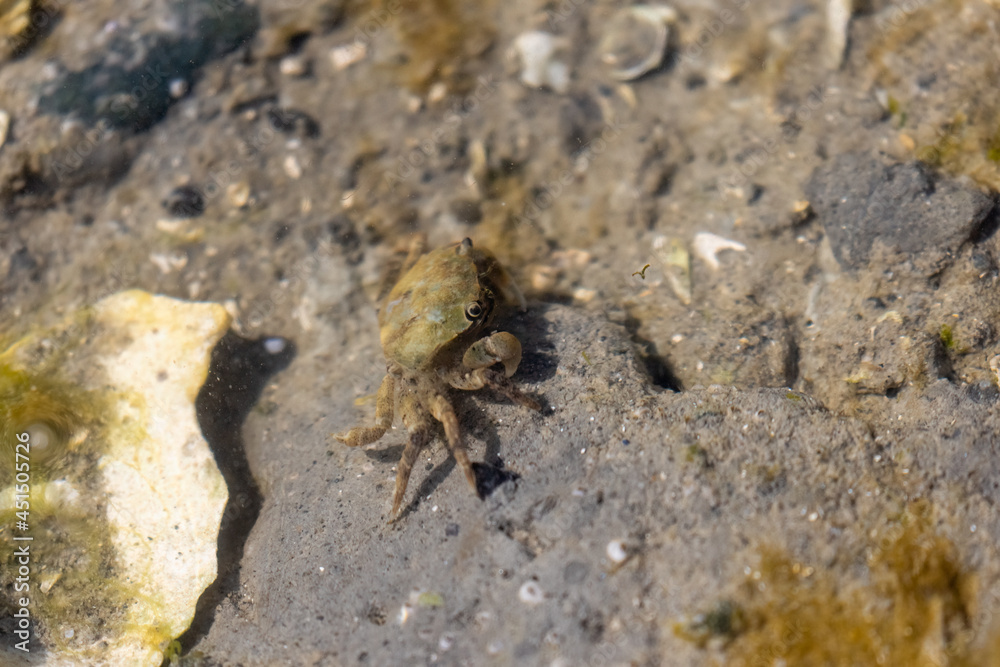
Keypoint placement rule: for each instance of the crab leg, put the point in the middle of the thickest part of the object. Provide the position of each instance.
(496, 380)
(363, 435)
(444, 413)
(420, 434)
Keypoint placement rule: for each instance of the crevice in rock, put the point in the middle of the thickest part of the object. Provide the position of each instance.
(656, 366)
(792, 358)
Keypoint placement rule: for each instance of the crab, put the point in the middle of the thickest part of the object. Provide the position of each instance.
(432, 325)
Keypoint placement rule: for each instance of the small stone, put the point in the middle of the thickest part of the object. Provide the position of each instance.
(344, 56)
(543, 278)
(185, 201)
(531, 593)
(4, 126)
(180, 229)
(275, 345)
(905, 207)
(292, 167)
(238, 194)
(616, 551)
(294, 66)
(179, 88)
(437, 92)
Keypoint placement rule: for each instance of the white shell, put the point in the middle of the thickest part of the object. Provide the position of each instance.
(531, 593)
(616, 551)
(635, 40)
(707, 247)
(539, 67)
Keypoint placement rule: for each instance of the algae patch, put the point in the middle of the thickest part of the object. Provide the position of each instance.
(918, 608)
(124, 499)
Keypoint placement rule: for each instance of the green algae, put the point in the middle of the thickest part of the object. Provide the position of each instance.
(72, 558)
(947, 337)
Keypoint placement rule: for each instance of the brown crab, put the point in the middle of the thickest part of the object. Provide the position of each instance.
(431, 325)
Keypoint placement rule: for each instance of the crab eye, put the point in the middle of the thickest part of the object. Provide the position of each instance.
(473, 310)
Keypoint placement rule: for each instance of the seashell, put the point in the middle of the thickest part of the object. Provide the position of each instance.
(707, 246)
(539, 66)
(635, 40)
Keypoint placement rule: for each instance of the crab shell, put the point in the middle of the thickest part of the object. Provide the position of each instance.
(427, 309)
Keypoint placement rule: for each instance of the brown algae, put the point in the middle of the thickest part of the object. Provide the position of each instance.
(917, 608)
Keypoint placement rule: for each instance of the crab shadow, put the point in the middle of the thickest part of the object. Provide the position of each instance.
(238, 372)
(538, 364)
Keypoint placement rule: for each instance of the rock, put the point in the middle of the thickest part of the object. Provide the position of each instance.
(861, 202)
(631, 505)
(110, 71)
(125, 499)
(126, 83)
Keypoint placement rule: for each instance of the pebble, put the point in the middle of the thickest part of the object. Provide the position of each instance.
(543, 278)
(4, 126)
(179, 88)
(294, 66)
(168, 262)
(275, 345)
(292, 167)
(616, 551)
(185, 201)
(344, 56)
(238, 194)
(531, 593)
(180, 230)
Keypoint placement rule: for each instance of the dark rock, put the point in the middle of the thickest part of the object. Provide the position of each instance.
(184, 202)
(293, 121)
(905, 207)
(128, 85)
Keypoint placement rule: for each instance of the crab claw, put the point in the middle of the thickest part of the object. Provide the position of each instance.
(501, 347)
